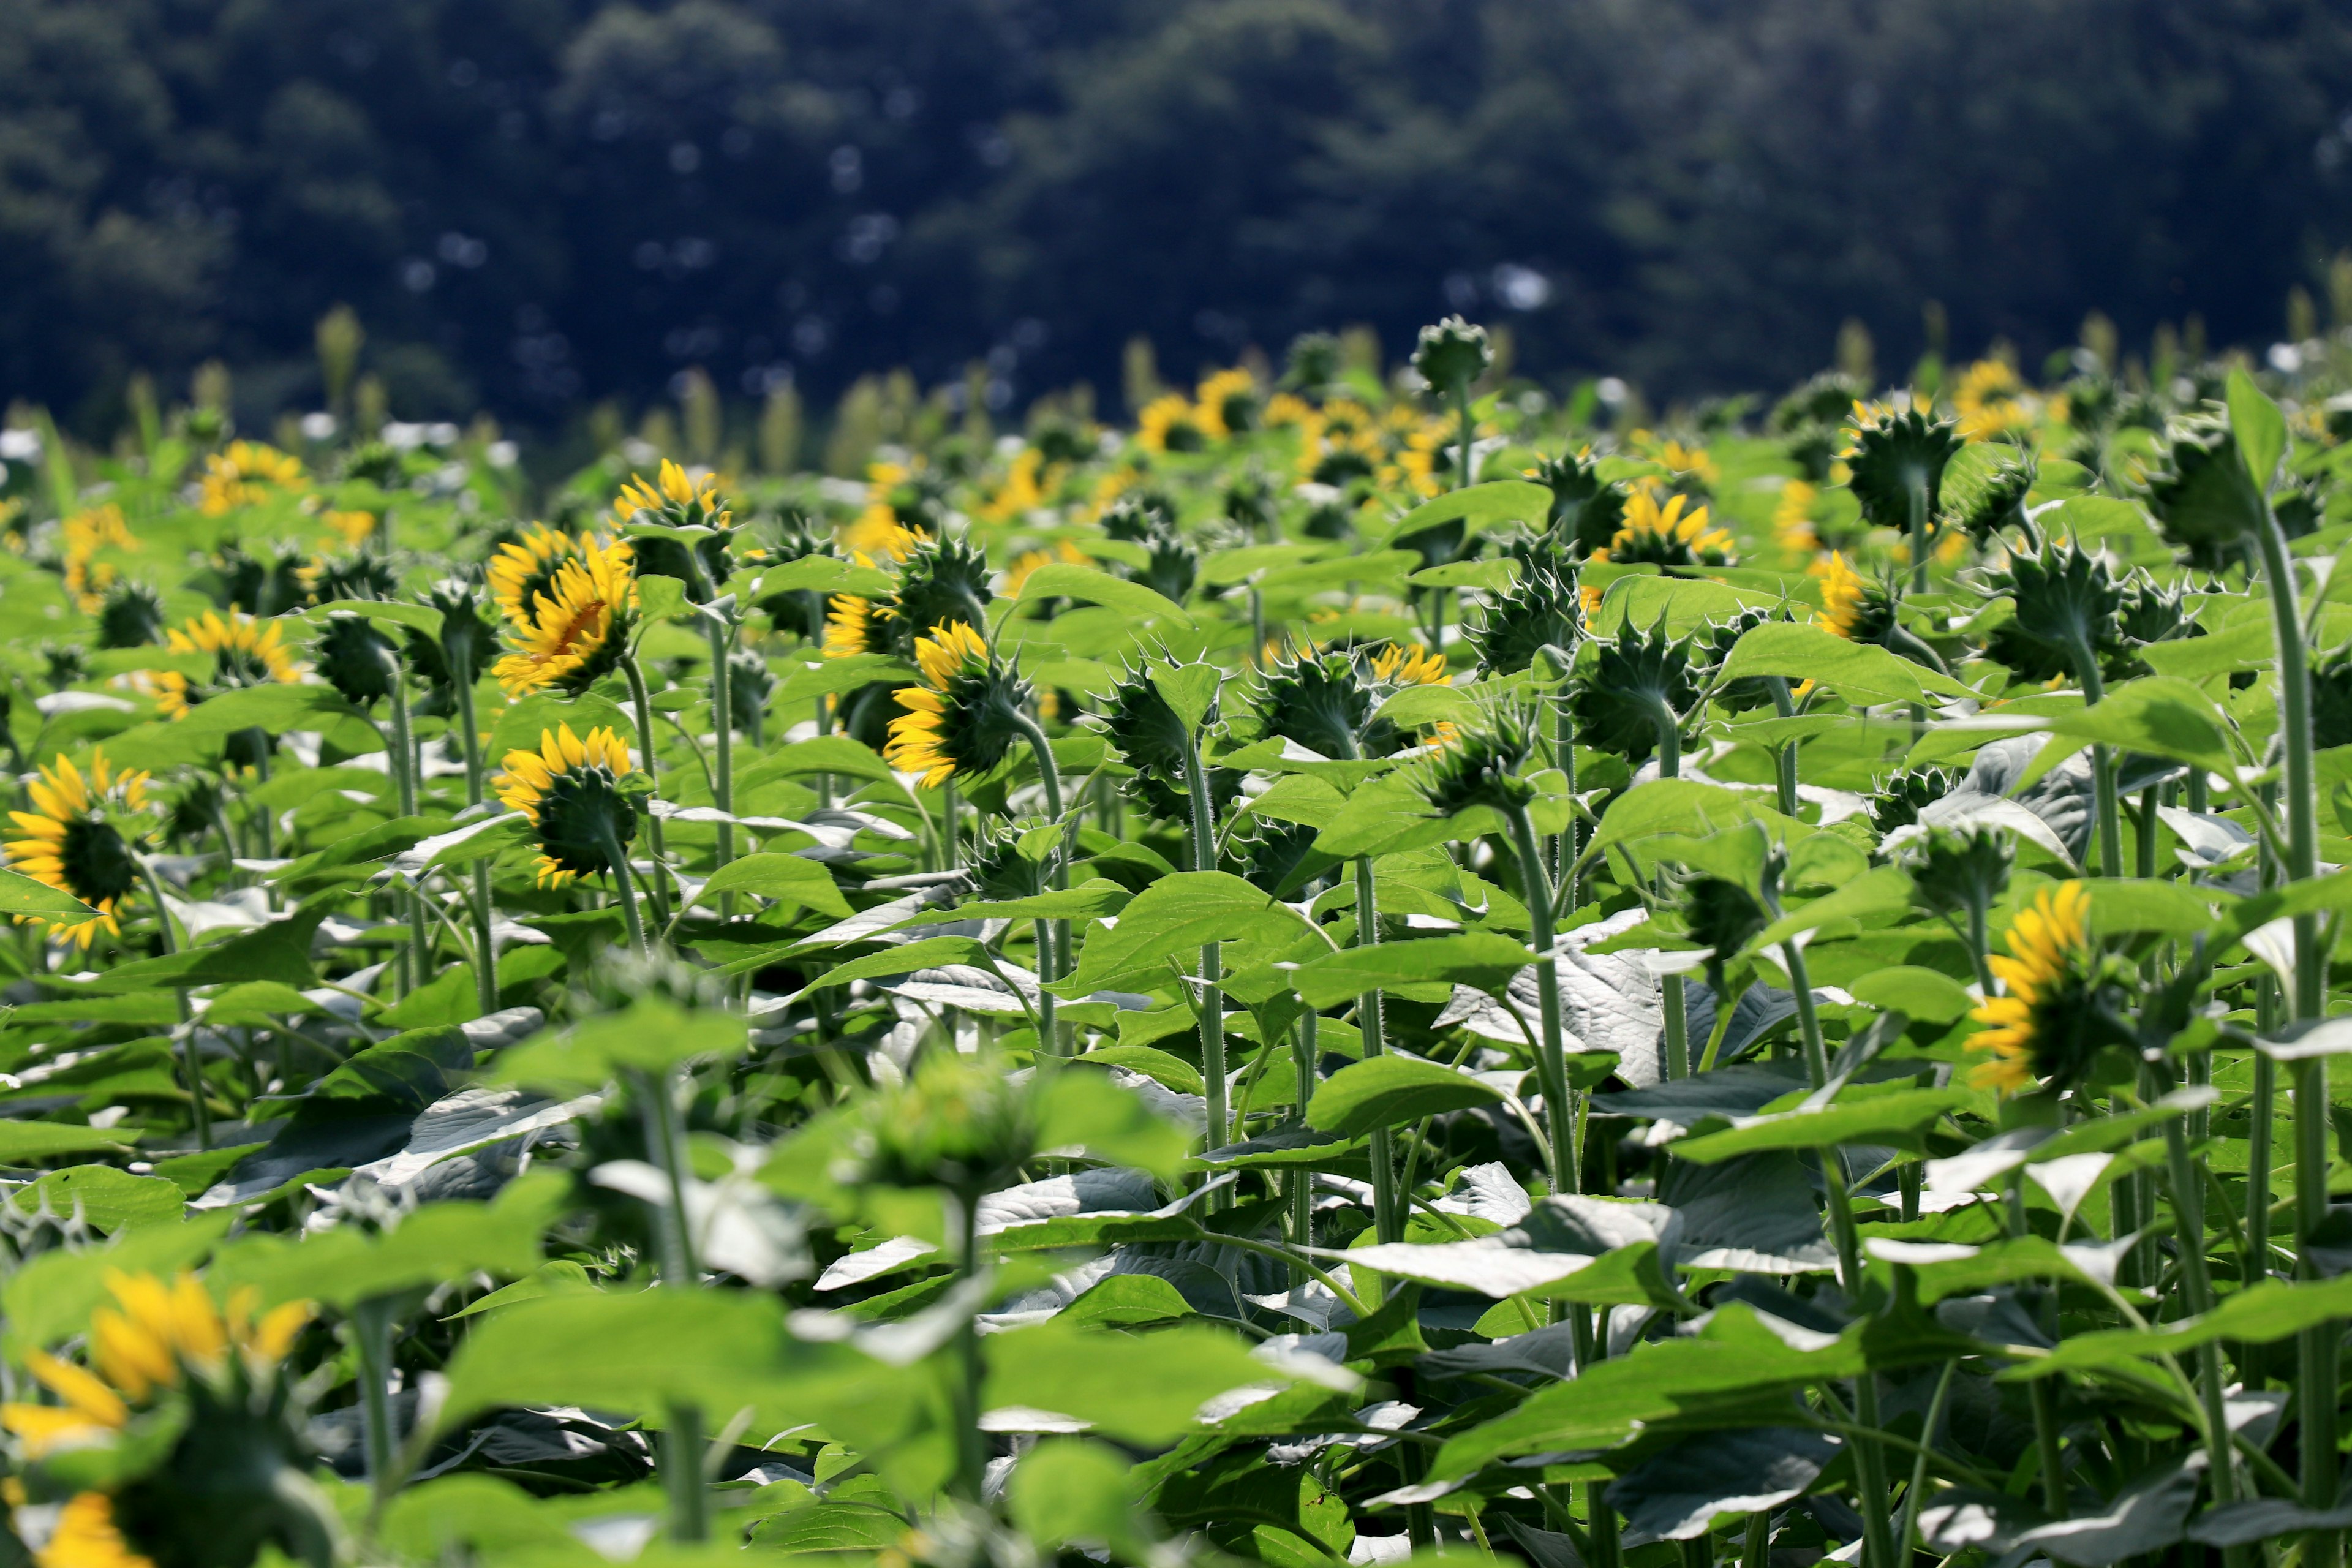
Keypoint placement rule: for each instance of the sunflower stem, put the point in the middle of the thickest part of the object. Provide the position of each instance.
(2109, 805)
(1388, 1224)
(1058, 931)
(642, 706)
(1213, 995)
(401, 748)
(1302, 1183)
(372, 1338)
(1915, 498)
(2196, 1291)
(722, 730)
(191, 1062)
(625, 886)
(1560, 1113)
(1784, 757)
(1462, 479)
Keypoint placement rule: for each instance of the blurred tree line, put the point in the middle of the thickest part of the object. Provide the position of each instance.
(535, 204)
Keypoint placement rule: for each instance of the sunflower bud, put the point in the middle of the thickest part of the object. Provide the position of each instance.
(356, 658)
(353, 577)
(1626, 689)
(1896, 459)
(1541, 610)
(1012, 860)
(1156, 741)
(130, 616)
(1279, 858)
(1954, 872)
(1452, 354)
(943, 581)
(1586, 510)
(1321, 700)
(2205, 504)
(1714, 646)
(1985, 491)
(2068, 606)
(466, 642)
(750, 684)
(1172, 566)
(1898, 799)
(1722, 916)
(1481, 767)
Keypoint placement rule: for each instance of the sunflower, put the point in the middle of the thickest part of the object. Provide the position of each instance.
(578, 627)
(1408, 664)
(1023, 490)
(854, 626)
(156, 1338)
(81, 538)
(1793, 517)
(74, 844)
(880, 530)
(353, 526)
(1169, 422)
(1666, 535)
(1225, 403)
(1990, 400)
(675, 497)
(569, 789)
(962, 718)
(245, 475)
(246, 652)
(1691, 462)
(1017, 575)
(520, 572)
(1855, 607)
(2061, 997)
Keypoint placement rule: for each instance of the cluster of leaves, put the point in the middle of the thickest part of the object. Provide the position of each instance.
(1440, 977)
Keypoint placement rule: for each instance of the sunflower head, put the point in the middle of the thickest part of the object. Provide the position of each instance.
(522, 570)
(1672, 533)
(2300, 504)
(1953, 872)
(798, 611)
(1895, 457)
(1985, 491)
(1170, 565)
(2068, 607)
(578, 628)
(1586, 510)
(853, 624)
(1722, 916)
(2205, 504)
(2062, 1001)
(1323, 699)
(2150, 613)
(1154, 738)
(571, 790)
(1010, 860)
(1136, 516)
(1452, 354)
(258, 587)
(353, 577)
(468, 642)
(1712, 646)
(1227, 403)
(964, 717)
(245, 652)
(1169, 422)
(750, 684)
(1898, 799)
(182, 1443)
(1279, 858)
(1542, 610)
(1855, 607)
(246, 474)
(1482, 765)
(1625, 689)
(943, 580)
(130, 615)
(673, 499)
(63, 664)
(356, 658)
(75, 839)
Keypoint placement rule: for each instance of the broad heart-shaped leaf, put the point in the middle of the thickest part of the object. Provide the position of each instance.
(787, 878)
(2258, 427)
(1684, 604)
(23, 1143)
(1734, 1372)
(1066, 1490)
(1388, 817)
(1888, 1119)
(827, 575)
(801, 683)
(1146, 1389)
(1861, 673)
(1062, 580)
(1568, 1248)
(651, 1035)
(421, 618)
(276, 709)
(824, 1530)
(1881, 896)
(644, 1353)
(1191, 689)
(432, 1245)
(1085, 1110)
(659, 598)
(1481, 960)
(1682, 806)
(2159, 716)
(1090, 900)
(1496, 576)
(1497, 500)
(2258, 1315)
(1390, 1090)
(1176, 915)
(21, 895)
(107, 1198)
(835, 754)
(1676, 1495)
(523, 725)
(279, 951)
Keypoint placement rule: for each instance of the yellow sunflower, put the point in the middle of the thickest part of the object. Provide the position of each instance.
(75, 844)
(1016, 575)
(522, 571)
(962, 720)
(86, 1536)
(2058, 1006)
(578, 627)
(1793, 517)
(245, 652)
(569, 791)
(1666, 534)
(1990, 400)
(1225, 403)
(674, 496)
(245, 475)
(1843, 591)
(81, 538)
(1408, 664)
(1169, 422)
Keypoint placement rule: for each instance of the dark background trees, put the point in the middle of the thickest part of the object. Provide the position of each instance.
(535, 203)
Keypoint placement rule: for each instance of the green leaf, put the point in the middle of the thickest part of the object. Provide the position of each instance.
(835, 754)
(1906, 988)
(1176, 915)
(1497, 575)
(2258, 427)
(801, 683)
(1124, 1301)
(393, 612)
(1497, 500)
(432, 1245)
(787, 878)
(660, 598)
(1861, 673)
(524, 724)
(1481, 960)
(1685, 604)
(1066, 1490)
(105, 1197)
(2259, 1315)
(930, 952)
(279, 951)
(51, 1296)
(556, 1276)
(1062, 580)
(1891, 1119)
(1189, 690)
(1091, 900)
(257, 1002)
(827, 575)
(1879, 897)
(845, 1529)
(1388, 817)
(2159, 715)
(1389, 1090)
(651, 1035)
(276, 709)
(1144, 1389)
(21, 895)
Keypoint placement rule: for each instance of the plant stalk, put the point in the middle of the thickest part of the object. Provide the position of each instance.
(1058, 931)
(1558, 1112)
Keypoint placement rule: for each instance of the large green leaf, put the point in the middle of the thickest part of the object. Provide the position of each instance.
(2257, 424)
(1885, 1119)
(1859, 672)
(1481, 505)
(1062, 580)
(22, 895)
(1480, 960)
(1176, 915)
(1387, 1090)
(1144, 1389)
(786, 878)
(651, 1035)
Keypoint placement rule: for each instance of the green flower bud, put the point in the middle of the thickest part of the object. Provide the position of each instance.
(1452, 354)
(1623, 690)
(2205, 504)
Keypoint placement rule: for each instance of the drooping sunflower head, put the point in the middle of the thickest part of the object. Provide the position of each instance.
(750, 684)
(1985, 491)
(1722, 916)
(1009, 861)
(854, 626)
(79, 838)
(2062, 998)
(1320, 700)
(1452, 353)
(2068, 609)
(245, 652)
(1170, 567)
(942, 581)
(1894, 459)
(963, 718)
(1954, 871)
(1483, 765)
(1585, 507)
(260, 585)
(1541, 610)
(1666, 534)
(351, 577)
(1855, 607)
(674, 497)
(569, 789)
(355, 656)
(1625, 689)
(2150, 613)
(1711, 650)
(130, 615)
(1408, 664)
(2204, 502)
(1155, 738)
(578, 628)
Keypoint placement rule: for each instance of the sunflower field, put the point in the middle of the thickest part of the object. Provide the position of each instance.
(1369, 969)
